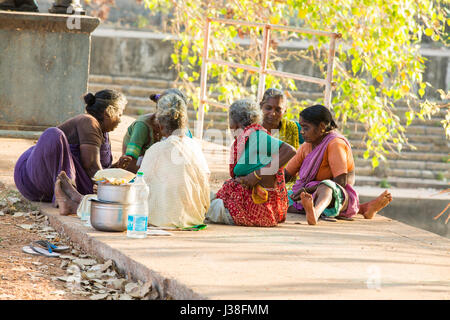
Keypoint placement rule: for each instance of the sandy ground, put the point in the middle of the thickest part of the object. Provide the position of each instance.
(24, 276)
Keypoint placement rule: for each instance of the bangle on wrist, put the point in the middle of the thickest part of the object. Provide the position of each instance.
(257, 177)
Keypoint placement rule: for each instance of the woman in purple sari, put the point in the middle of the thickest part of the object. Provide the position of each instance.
(326, 172)
(80, 147)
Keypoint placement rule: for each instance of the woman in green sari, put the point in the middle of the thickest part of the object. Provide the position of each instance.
(142, 134)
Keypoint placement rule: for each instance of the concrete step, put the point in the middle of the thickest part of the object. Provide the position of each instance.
(404, 173)
(400, 110)
(130, 81)
(128, 91)
(414, 147)
(405, 155)
(438, 140)
(141, 102)
(412, 129)
(210, 124)
(103, 80)
(408, 183)
(407, 164)
(134, 110)
(212, 116)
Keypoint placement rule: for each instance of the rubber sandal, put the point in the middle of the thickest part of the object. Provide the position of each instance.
(44, 252)
(325, 218)
(345, 218)
(29, 250)
(50, 246)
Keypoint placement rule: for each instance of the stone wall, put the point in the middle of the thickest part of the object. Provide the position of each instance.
(131, 54)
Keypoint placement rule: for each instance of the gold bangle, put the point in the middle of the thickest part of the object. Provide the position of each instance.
(257, 177)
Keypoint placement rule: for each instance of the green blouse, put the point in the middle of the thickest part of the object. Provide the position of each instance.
(140, 137)
(258, 152)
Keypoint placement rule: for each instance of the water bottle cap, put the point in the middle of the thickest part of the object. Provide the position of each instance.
(140, 173)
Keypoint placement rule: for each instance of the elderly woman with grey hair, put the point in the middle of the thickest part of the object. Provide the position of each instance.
(256, 194)
(175, 170)
(142, 133)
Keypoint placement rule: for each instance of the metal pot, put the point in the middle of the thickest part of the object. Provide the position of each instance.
(124, 193)
(109, 216)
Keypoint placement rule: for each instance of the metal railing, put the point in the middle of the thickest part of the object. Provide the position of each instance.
(262, 69)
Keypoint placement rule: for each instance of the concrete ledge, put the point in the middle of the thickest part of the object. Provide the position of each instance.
(20, 134)
(292, 261)
(415, 207)
(46, 22)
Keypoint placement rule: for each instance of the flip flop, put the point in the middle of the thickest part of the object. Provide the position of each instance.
(50, 246)
(345, 218)
(325, 218)
(39, 251)
(27, 249)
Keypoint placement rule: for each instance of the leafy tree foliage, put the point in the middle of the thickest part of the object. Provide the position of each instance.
(377, 62)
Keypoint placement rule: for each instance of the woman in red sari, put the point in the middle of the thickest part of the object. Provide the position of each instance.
(256, 194)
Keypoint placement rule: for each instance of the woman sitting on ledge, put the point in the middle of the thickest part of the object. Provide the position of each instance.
(175, 170)
(273, 106)
(142, 134)
(326, 172)
(256, 194)
(80, 146)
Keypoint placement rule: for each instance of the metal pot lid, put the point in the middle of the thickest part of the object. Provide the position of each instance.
(105, 202)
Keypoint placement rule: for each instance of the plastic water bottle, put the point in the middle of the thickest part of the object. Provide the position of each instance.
(138, 216)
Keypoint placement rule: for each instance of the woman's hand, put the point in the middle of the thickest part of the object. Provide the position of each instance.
(126, 162)
(123, 162)
(296, 196)
(248, 181)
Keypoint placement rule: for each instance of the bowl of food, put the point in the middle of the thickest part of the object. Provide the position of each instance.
(110, 216)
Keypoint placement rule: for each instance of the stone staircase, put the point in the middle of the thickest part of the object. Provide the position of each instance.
(423, 164)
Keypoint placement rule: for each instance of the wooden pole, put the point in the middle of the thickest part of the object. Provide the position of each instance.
(329, 79)
(203, 81)
(263, 66)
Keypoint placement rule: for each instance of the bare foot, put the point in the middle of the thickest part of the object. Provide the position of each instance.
(308, 205)
(65, 204)
(369, 209)
(69, 187)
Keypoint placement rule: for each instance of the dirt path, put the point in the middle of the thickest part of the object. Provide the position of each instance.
(24, 276)
(72, 276)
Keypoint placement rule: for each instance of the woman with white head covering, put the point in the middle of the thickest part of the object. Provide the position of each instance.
(175, 170)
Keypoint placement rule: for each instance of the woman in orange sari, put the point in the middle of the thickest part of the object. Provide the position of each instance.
(326, 172)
